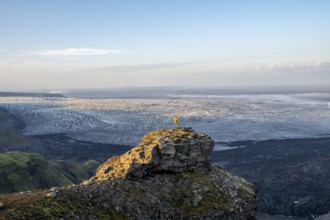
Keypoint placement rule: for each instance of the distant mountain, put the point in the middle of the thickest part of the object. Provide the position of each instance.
(24, 94)
(27, 171)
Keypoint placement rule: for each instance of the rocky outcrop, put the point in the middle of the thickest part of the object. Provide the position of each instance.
(170, 150)
(167, 176)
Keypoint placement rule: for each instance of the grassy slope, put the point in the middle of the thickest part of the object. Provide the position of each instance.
(26, 171)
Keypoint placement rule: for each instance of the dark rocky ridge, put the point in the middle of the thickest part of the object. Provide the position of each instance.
(155, 183)
(51, 146)
(30, 94)
(292, 176)
(9, 123)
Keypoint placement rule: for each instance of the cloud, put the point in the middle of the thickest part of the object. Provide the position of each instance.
(294, 67)
(147, 67)
(9, 64)
(141, 67)
(76, 52)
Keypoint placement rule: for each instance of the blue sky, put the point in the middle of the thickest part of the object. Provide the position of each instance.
(211, 43)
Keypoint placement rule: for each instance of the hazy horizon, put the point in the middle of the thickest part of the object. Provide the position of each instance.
(175, 92)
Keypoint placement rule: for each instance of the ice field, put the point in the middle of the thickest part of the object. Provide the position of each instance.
(224, 118)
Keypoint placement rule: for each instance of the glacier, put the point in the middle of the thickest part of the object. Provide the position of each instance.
(225, 118)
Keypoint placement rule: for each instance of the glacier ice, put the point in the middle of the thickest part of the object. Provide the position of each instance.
(224, 118)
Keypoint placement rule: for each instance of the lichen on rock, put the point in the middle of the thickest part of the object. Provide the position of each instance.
(167, 150)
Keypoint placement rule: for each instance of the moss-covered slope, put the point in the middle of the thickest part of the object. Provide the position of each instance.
(212, 195)
(27, 171)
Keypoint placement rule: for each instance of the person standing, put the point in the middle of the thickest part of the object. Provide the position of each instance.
(176, 121)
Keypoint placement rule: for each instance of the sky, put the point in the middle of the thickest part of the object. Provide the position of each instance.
(77, 44)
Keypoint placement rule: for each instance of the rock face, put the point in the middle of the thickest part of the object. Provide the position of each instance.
(167, 176)
(171, 150)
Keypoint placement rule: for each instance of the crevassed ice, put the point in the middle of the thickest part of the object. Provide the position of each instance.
(125, 121)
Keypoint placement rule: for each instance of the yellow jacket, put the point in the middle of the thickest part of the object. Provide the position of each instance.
(175, 119)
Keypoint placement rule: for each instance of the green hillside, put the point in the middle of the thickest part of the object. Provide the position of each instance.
(27, 171)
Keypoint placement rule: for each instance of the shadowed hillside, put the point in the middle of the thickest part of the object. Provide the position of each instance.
(27, 171)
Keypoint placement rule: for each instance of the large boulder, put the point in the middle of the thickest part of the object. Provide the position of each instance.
(167, 150)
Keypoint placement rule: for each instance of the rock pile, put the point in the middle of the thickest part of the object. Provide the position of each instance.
(167, 150)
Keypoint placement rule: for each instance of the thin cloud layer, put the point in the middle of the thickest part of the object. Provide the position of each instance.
(307, 66)
(76, 52)
(9, 64)
(141, 67)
